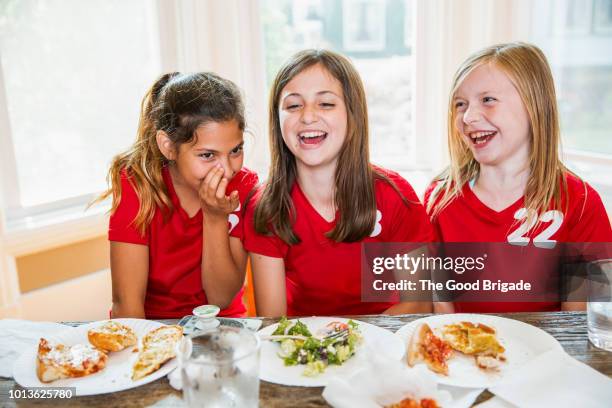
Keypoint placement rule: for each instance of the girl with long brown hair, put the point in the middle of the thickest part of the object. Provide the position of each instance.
(175, 225)
(506, 182)
(323, 198)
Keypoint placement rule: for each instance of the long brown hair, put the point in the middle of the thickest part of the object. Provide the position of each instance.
(528, 69)
(354, 194)
(176, 104)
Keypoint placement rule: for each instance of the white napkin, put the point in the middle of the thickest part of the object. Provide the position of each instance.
(383, 381)
(175, 379)
(554, 379)
(17, 335)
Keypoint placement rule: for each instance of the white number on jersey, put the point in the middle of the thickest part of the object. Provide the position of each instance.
(233, 218)
(518, 237)
(377, 225)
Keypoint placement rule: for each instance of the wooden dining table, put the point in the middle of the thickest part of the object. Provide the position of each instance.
(569, 328)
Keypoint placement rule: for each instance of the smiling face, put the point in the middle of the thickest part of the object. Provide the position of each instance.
(214, 143)
(313, 117)
(491, 118)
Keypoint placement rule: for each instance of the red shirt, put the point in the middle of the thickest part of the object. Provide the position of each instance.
(467, 219)
(323, 276)
(174, 285)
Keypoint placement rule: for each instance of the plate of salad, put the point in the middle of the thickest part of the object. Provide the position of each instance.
(309, 351)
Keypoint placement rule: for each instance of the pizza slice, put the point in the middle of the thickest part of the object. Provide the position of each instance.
(478, 340)
(57, 361)
(427, 347)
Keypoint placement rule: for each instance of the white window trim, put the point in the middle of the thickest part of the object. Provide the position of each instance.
(9, 280)
(581, 155)
(9, 191)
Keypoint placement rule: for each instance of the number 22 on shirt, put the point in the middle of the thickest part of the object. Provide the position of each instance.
(519, 236)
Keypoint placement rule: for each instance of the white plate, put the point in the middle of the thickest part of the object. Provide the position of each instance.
(116, 376)
(522, 342)
(273, 369)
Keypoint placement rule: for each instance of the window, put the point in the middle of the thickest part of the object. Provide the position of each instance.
(364, 25)
(73, 75)
(374, 34)
(578, 48)
(603, 17)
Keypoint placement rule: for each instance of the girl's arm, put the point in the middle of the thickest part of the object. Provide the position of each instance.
(269, 284)
(443, 307)
(129, 272)
(223, 262)
(572, 306)
(409, 307)
(223, 258)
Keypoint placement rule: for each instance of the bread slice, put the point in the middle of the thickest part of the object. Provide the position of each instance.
(112, 336)
(56, 361)
(158, 346)
(427, 347)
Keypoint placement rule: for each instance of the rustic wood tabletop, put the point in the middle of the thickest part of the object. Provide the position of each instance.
(569, 328)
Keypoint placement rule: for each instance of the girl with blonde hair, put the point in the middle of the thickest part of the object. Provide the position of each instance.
(506, 181)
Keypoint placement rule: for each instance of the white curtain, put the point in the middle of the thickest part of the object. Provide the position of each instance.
(224, 36)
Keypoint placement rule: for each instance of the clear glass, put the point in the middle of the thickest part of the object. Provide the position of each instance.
(220, 368)
(599, 306)
(74, 73)
(377, 36)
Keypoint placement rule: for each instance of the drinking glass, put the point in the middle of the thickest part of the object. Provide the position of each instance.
(220, 368)
(599, 306)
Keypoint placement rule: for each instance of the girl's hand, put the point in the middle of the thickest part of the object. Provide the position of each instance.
(213, 200)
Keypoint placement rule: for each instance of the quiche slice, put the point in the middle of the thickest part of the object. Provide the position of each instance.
(427, 347)
(57, 361)
(158, 346)
(478, 340)
(112, 336)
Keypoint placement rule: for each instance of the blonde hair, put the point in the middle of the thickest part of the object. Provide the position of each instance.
(526, 66)
(176, 104)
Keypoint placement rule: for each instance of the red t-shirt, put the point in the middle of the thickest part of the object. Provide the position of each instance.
(467, 219)
(174, 285)
(323, 276)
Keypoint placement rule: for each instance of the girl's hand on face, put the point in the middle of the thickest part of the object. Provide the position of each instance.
(213, 200)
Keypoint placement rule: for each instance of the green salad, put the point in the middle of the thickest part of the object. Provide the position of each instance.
(334, 344)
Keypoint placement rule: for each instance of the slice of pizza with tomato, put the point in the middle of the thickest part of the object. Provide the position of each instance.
(427, 347)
